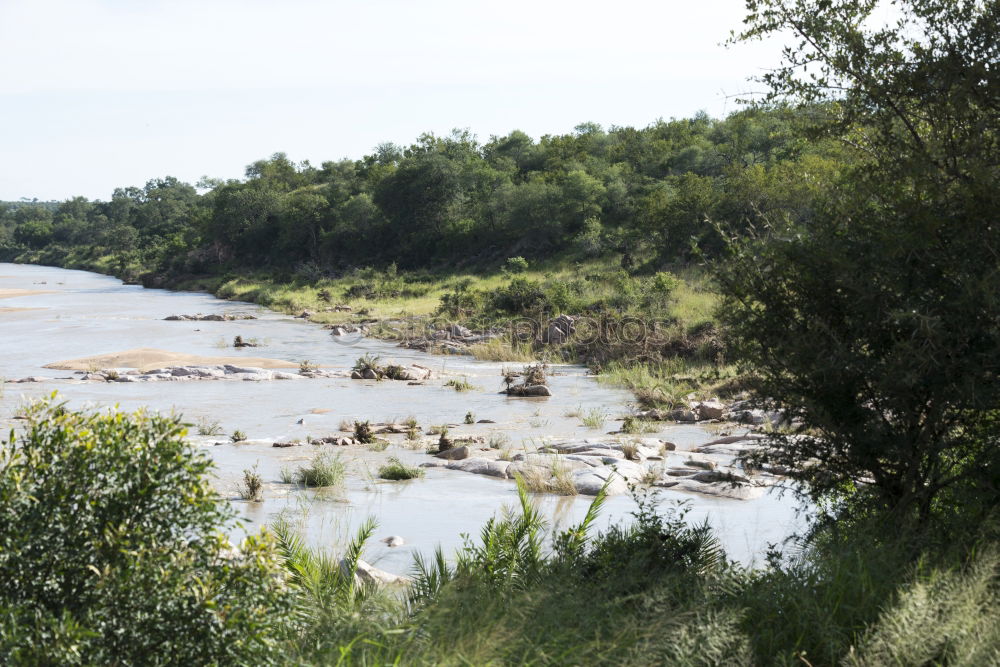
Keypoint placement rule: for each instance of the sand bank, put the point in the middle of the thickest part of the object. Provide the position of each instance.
(147, 358)
(10, 293)
(16, 310)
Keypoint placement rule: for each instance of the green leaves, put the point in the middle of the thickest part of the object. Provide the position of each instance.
(873, 320)
(113, 541)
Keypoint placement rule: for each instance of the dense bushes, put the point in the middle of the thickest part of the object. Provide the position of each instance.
(112, 550)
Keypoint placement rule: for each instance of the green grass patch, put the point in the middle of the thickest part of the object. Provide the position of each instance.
(325, 470)
(396, 470)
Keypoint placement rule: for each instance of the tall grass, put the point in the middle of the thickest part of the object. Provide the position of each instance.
(208, 426)
(325, 470)
(251, 487)
(502, 349)
(462, 385)
(396, 470)
(656, 590)
(556, 479)
(594, 418)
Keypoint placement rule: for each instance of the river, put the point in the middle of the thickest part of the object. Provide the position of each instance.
(63, 314)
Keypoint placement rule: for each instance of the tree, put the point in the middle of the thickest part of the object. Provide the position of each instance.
(876, 321)
(112, 550)
(34, 234)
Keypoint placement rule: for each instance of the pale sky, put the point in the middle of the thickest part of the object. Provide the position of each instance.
(96, 94)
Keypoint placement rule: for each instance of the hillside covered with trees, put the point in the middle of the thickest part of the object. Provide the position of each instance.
(643, 195)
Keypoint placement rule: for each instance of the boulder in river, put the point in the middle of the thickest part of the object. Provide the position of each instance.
(682, 415)
(530, 390)
(455, 453)
(710, 410)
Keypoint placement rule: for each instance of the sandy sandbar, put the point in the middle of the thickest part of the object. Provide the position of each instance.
(17, 310)
(147, 358)
(10, 293)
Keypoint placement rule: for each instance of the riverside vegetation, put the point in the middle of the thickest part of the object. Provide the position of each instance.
(836, 243)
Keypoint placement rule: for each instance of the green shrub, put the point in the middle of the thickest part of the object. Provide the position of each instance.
(367, 362)
(208, 426)
(519, 296)
(252, 486)
(324, 470)
(594, 418)
(516, 265)
(363, 432)
(110, 549)
(460, 385)
(396, 470)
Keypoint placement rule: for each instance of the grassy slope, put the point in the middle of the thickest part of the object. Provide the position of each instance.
(660, 376)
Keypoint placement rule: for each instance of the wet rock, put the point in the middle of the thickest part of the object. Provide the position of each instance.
(735, 438)
(365, 573)
(683, 415)
(591, 461)
(414, 373)
(285, 444)
(710, 410)
(481, 466)
(368, 374)
(458, 331)
(305, 315)
(698, 463)
(720, 489)
(355, 375)
(710, 476)
(225, 317)
(486, 421)
(590, 481)
(531, 390)
(393, 541)
(455, 453)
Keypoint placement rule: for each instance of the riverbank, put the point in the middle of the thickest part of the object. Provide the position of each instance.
(655, 334)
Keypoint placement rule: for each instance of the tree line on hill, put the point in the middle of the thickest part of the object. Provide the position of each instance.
(646, 194)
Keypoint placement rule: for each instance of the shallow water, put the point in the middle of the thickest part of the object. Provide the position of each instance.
(85, 314)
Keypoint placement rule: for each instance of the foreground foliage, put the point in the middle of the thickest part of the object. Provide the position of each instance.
(110, 553)
(112, 549)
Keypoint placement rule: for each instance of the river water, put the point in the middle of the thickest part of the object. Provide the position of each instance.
(79, 314)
